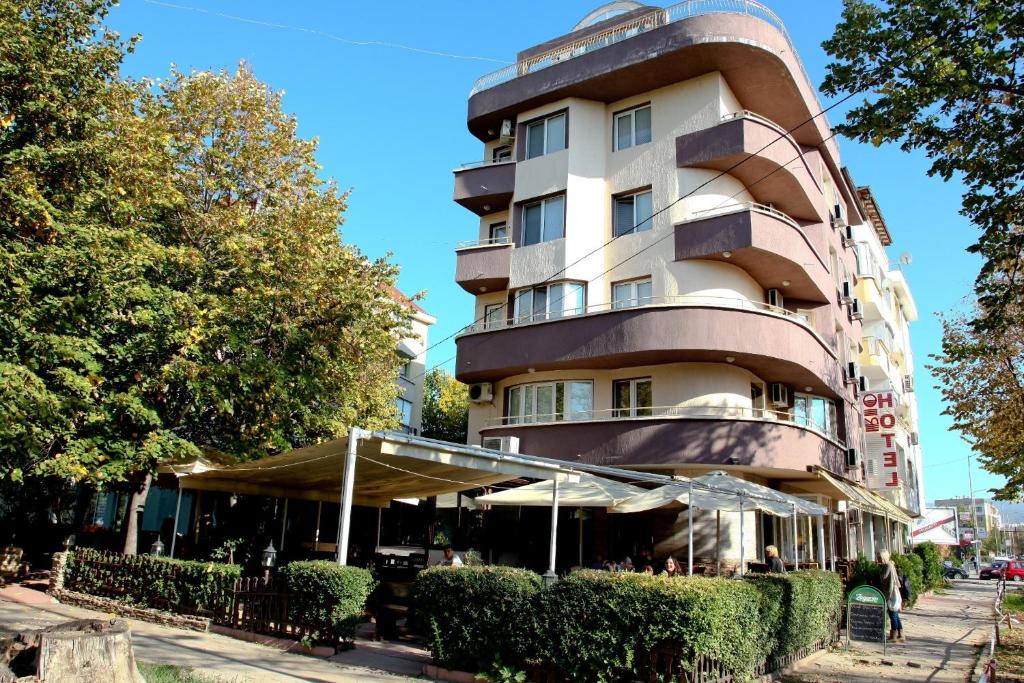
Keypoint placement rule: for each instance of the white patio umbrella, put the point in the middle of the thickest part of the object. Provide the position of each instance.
(589, 491)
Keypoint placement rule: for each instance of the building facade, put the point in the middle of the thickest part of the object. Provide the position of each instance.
(412, 374)
(985, 514)
(665, 266)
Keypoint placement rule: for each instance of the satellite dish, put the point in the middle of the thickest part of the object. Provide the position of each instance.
(906, 259)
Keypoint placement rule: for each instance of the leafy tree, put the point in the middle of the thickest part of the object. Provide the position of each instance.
(981, 377)
(445, 407)
(947, 77)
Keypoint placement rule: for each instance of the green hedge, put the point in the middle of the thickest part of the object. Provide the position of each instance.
(931, 562)
(599, 626)
(911, 566)
(180, 586)
(475, 616)
(805, 606)
(327, 597)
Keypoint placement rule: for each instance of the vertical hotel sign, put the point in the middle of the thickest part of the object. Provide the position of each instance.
(881, 461)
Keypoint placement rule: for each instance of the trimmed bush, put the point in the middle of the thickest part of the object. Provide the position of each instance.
(475, 616)
(327, 597)
(599, 625)
(805, 605)
(865, 572)
(179, 586)
(910, 565)
(931, 562)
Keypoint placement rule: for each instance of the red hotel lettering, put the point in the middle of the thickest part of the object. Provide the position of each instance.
(870, 400)
(889, 439)
(888, 420)
(885, 400)
(870, 424)
(889, 459)
(894, 481)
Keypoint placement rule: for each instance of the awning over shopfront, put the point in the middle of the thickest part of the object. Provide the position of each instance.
(589, 491)
(863, 499)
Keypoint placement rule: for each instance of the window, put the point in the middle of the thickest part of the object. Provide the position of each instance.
(815, 412)
(757, 399)
(502, 153)
(544, 220)
(549, 402)
(549, 301)
(630, 294)
(632, 213)
(632, 397)
(405, 371)
(494, 316)
(633, 127)
(405, 413)
(545, 136)
(499, 232)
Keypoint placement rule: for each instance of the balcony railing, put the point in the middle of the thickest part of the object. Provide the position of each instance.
(679, 300)
(488, 242)
(692, 412)
(736, 207)
(647, 22)
(482, 163)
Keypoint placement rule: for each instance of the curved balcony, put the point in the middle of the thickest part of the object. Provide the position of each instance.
(679, 436)
(775, 344)
(767, 244)
(742, 39)
(484, 187)
(773, 170)
(483, 266)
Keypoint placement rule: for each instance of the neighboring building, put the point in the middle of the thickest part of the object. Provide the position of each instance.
(636, 308)
(937, 525)
(985, 514)
(886, 361)
(413, 371)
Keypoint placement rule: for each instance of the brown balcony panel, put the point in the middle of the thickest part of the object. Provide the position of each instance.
(485, 189)
(766, 246)
(484, 268)
(667, 442)
(773, 168)
(775, 348)
(753, 56)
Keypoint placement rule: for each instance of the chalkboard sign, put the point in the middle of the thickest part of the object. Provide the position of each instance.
(865, 616)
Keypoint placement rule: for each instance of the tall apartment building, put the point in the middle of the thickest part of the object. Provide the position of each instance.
(663, 276)
(411, 375)
(985, 514)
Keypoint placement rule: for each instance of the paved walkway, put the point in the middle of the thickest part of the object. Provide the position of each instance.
(211, 655)
(943, 634)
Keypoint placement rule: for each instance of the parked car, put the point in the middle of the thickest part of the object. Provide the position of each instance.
(993, 571)
(1014, 570)
(951, 572)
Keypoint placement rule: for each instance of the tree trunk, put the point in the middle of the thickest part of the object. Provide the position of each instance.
(136, 507)
(82, 651)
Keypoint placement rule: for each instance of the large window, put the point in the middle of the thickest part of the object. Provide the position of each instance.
(549, 301)
(633, 127)
(544, 220)
(545, 136)
(815, 412)
(632, 293)
(549, 402)
(494, 316)
(632, 397)
(632, 213)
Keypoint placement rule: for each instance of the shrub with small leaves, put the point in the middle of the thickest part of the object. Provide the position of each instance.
(931, 565)
(327, 597)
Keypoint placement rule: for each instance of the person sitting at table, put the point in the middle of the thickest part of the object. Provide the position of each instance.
(775, 565)
(627, 564)
(450, 559)
(672, 568)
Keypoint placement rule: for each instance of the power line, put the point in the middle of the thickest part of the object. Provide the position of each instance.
(323, 34)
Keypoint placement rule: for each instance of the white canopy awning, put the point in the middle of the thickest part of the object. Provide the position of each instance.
(720, 481)
(722, 492)
(589, 491)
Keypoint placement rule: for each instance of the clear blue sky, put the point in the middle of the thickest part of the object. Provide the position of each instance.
(391, 124)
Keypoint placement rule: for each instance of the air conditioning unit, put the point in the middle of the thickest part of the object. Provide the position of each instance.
(855, 310)
(847, 293)
(862, 383)
(908, 383)
(774, 297)
(507, 135)
(852, 371)
(852, 458)
(848, 240)
(838, 217)
(779, 394)
(506, 444)
(915, 439)
(481, 393)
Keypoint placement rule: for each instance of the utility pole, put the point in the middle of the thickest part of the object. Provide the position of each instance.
(974, 516)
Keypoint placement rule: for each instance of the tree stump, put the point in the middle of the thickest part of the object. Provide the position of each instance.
(81, 651)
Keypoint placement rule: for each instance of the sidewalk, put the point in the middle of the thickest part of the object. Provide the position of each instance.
(214, 656)
(943, 634)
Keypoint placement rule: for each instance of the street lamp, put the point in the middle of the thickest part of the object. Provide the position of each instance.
(268, 560)
(157, 548)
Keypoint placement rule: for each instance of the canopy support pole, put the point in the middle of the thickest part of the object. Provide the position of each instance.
(316, 534)
(579, 514)
(832, 539)
(689, 531)
(380, 514)
(348, 481)
(718, 542)
(174, 531)
(888, 535)
(550, 576)
(742, 544)
(821, 542)
(796, 549)
(284, 525)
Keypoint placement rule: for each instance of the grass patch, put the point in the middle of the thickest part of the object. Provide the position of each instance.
(168, 673)
(1013, 602)
(1010, 652)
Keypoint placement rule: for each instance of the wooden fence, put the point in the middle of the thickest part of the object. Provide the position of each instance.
(261, 606)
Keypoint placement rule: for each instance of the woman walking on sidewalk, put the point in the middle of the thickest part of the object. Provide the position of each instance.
(893, 599)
